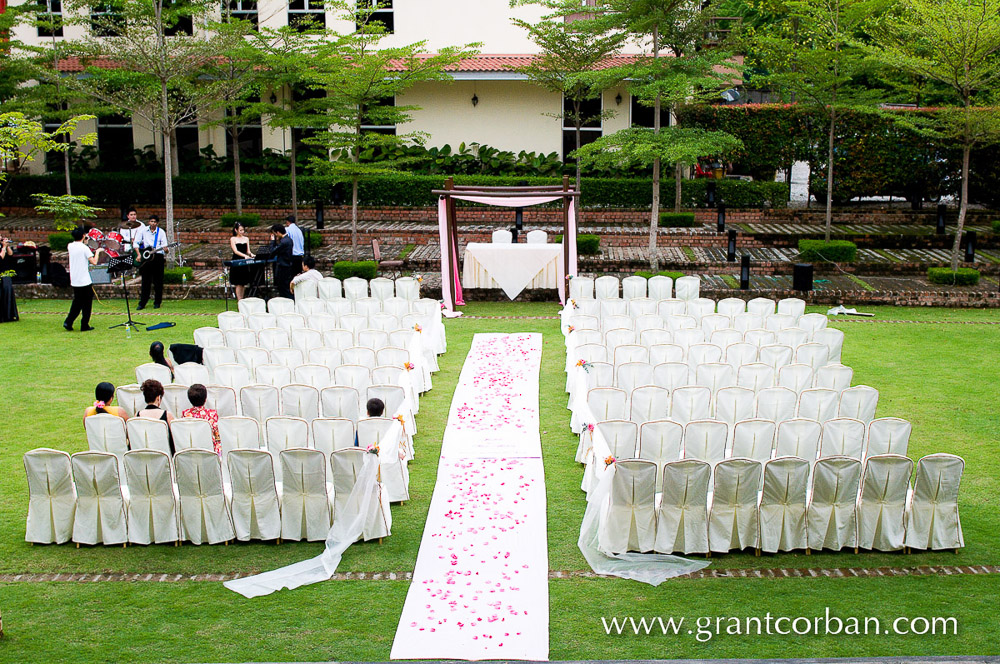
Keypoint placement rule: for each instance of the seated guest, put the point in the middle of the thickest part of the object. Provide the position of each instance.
(105, 394)
(309, 272)
(198, 395)
(152, 392)
(375, 407)
(156, 354)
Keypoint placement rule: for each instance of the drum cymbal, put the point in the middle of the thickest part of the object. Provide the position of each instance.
(131, 224)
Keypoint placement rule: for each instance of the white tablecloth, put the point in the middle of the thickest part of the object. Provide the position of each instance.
(512, 267)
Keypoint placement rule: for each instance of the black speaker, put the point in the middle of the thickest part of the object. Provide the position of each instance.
(941, 208)
(745, 272)
(25, 267)
(319, 215)
(970, 246)
(802, 277)
(710, 193)
(721, 226)
(731, 248)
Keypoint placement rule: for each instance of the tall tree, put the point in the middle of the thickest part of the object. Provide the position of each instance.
(815, 56)
(151, 63)
(570, 62)
(362, 81)
(957, 44)
(684, 64)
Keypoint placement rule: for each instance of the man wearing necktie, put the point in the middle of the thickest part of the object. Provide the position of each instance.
(152, 237)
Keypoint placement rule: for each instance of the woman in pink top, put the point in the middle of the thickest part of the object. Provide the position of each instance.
(198, 395)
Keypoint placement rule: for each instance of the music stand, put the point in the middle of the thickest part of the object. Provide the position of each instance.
(122, 265)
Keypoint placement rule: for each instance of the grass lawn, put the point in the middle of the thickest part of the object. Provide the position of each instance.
(944, 378)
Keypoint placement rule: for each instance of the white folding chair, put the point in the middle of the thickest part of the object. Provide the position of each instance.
(759, 337)
(307, 288)
(260, 401)
(191, 373)
(275, 375)
(209, 336)
(746, 321)
(252, 357)
(230, 320)
(628, 523)
(885, 486)
(798, 438)
(932, 520)
(260, 321)
(581, 288)
(687, 288)
(815, 355)
(738, 354)
(712, 323)
(353, 375)
(306, 500)
(154, 371)
(702, 353)
(660, 287)
(306, 339)
(330, 434)
(147, 434)
(256, 508)
(300, 401)
(222, 400)
(341, 401)
(632, 375)
(327, 357)
(235, 376)
(621, 437)
(607, 403)
(310, 306)
(776, 404)
(792, 306)
(51, 496)
(670, 375)
(367, 306)
(315, 375)
(273, 338)
(633, 287)
(833, 339)
(665, 352)
(791, 336)
(100, 504)
(643, 306)
(502, 236)
(107, 433)
(761, 306)
(835, 377)
(670, 307)
(888, 435)
(355, 288)
(239, 433)
(408, 288)
(733, 521)
(690, 402)
(682, 516)
(153, 512)
(715, 376)
(776, 356)
(783, 505)
(726, 337)
(191, 433)
(706, 440)
(734, 404)
(322, 322)
(338, 338)
(858, 402)
(753, 439)
(175, 399)
(817, 404)
(812, 323)
(250, 305)
(289, 357)
(796, 377)
(843, 436)
(129, 398)
(346, 466)
(382, 288)
(755, 376)
(778, 322)
(649, 402)
(329, 288)
(833, 512)
(216, 355)
(606, 288)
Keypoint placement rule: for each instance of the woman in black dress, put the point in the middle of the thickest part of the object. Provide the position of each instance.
(8, 303)
(239, 276)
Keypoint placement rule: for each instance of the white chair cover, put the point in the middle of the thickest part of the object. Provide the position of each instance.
(778, 322)
(252, 357)
(239, 432)
(834, 377)
(306, 339)
(783, 505)
(643, 307)
(815, 355)
(100, 505)
(306, 499)
(130, 398)
(747, 321)
(754, 439)
(706, 440)
(932, 520)
(629, 521)
(581, 288)
(356, 376)
(796, 377)
(330, 434)
(249, 305)
(51, 496)
(241, 337)
(537, 237)
(261, 321)
(387, 435)
(190, 433)
(106, 433)
(776, 355)
(682, 518)
(192, 373)
(633, 287)
(731, 306)
(618, 337)
(316, 375)
(216, 355)
(396, 307)
(382, 288)
(346, 466)
(649, 402)
(229, 320)
(210, 336)
(859, 402)
(702, 353)
(650, 337)
(691, 402)
(687, 288)
(798, 438)
(147, 434)
(733, 522)
(843, 436)
(833, 339)
(306, 288)
(367, 306)
(755, 376)
(761, 306)
(734, 404)
(284, 433)
(222, 400)
(688, 336)
(665, 352)
(620, 436)
(716, 376)
(888, 435)
(273, 338)
(607, 403)
(711, 323)
(606, 288)
(660, 441)
(502, 236)
(323, 322)
(813, 323)
(175, 399)
(759, 337)
(329, 288)
(833, 512)
(235, 376)
(310, 306)
(338, 338)
(670, 375)
(153, 513)
(327, 357)
(670, 307)
(341, 401)
(817, 404)
(634, 374)
(408, 288)
(373, 339)
(792, 306)
(630, 353)
(260, 401)
(154, 371)
(255, 506)
(726, 337)
(738, 354)
(355, 288)
(300, 401)
(660, 287)
(885, 486)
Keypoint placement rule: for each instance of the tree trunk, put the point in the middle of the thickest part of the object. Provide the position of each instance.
(295, 190)
(829, 178)
(66, 167)
(579, 203)
(678, 173)
(962, 207)
(354, 218)
(236, 170)
(175, 164)
(654, 215)
(168, 178)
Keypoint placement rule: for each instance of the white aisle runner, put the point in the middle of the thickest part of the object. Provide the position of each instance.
(480, 587)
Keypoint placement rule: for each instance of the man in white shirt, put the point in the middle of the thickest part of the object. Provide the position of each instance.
(132, 229)
(298, 242)
(152, 237)
(309, 272)
(80, 260)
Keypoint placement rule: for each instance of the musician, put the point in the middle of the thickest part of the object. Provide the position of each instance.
(298, 243)
(283, 269)
(239, 275)
(152, 237)
(131, 229)
(309, 272)
(8, 303)
(80, 259)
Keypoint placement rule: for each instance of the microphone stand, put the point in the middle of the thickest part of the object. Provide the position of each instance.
(128, 308)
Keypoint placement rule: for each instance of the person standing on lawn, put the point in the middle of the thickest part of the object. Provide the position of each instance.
(298, 243)
(80, 260)
(283, 270)
(152, 237)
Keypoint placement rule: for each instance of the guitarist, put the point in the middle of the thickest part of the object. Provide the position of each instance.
(152, 237)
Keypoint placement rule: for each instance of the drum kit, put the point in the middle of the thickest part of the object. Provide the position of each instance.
(112, 242)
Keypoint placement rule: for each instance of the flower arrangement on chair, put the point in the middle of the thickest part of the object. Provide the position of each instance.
(609, 460)
(372, 449)
(408, 366)
(418, 328)
(570, 329)
(585, 365)
(400, 419)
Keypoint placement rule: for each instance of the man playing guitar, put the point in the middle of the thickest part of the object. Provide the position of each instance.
(152, 237)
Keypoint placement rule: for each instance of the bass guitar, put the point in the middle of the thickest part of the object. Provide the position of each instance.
(143, 255)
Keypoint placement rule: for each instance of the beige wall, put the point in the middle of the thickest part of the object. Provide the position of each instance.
(509, 115)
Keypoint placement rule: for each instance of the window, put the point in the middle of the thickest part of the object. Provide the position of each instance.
(642, 115)
(106, 20)
(306, 14)
(115, 148)
(383, 14)
(569, 18)
(178, 18)
(250, 136)
(188, 148)
(245, 10)
(589, 132)
(50, 19)
(372, 123)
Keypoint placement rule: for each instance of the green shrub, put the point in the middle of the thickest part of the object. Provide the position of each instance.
(677, 219)
(834, 251)
(966, 276)
(995, 224)
(175, 275)
(586, 245)
(59, 241)
(662, 273)
(248, 219)
(315, 240)
(346, 269)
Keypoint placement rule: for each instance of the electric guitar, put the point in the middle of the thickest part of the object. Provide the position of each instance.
(143, 255)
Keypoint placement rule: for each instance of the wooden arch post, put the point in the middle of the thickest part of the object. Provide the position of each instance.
(566, 239)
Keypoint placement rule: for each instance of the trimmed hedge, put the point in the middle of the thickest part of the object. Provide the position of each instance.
(995, 224)
(315, 240)
(364, 269)
(834, 251)
(966, 276)
(677, 220)
(248, 219)
(394, 189)
(59, 241)
(175, 275)
(586, 245)
(646, 274)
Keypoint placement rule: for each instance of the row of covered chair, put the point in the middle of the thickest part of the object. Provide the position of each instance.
(665, 440)
(503, 236)
(610, 287)
(784, 504)
(83, 498)
(329, 317)
(331, 288)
